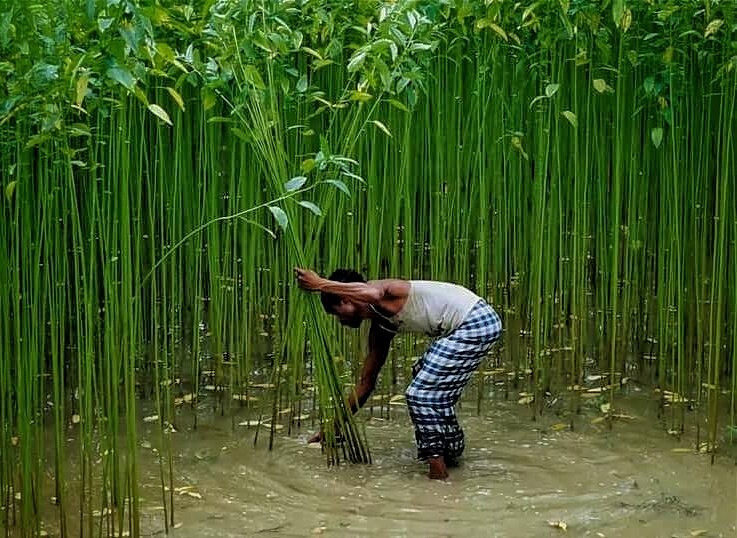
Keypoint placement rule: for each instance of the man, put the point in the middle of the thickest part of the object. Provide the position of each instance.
(464, 327)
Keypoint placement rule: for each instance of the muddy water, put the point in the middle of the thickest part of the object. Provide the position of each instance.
(517, 476)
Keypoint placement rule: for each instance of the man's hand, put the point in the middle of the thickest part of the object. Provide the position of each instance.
(319, 437)
(307, 280)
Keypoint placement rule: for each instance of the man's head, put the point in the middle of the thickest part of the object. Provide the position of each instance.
(348, 312)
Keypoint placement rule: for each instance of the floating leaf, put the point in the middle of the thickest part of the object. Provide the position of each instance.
(559, 524)
(559, 427)
(656, 135)
(295, 183)
(312, 207)
(10, 189)
(252, 423)
(160, 113)
(244, 398)
(397, 399)
(280, 216)
(551, 89)
(177, 98)
(571, 117)
(340, 185)
(187, 398)
(382, 127)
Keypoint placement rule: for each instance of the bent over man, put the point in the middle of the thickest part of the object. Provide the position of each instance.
(464, 328)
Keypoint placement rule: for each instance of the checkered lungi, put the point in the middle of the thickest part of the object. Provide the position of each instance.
(440, 376)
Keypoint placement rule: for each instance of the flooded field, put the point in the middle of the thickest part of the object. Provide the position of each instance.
(519, 478)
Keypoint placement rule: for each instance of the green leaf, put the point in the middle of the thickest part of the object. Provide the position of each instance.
(399, 105)
(617, 11)
(356, 61)
(713, 27)
(601, 86)
(280, 216)
(37, 140)
(488, 23)
(571, 117)
(360, 96)
(420, 46)
(307, 165)
(499, 30)
(295, 183)
(209, 98)
(254, 77)
(340, 185)
(177, 98)
(350, 174)
(312, 52)
(551, 89)
(264, 228)
(81, 89)
(122, 76)
(302, 84)
(656, 135)
(10, 189)
(312, 207)
(382, 127)
(649, 85)
(160, 113)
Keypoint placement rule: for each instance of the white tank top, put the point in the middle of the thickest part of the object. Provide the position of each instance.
(434, 308)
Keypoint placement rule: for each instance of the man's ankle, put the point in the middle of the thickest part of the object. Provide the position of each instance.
(438, 469)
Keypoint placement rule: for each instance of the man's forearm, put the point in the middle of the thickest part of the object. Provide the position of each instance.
(358, 397)
(356, 291)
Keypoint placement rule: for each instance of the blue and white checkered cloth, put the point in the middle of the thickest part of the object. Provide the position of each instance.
(441, 374)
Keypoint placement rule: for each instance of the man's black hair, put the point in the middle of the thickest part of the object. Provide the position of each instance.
(330, 300)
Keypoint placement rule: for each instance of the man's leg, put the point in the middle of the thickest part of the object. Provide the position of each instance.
(444, 370)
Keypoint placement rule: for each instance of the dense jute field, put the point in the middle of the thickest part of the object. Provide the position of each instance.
(165, 164)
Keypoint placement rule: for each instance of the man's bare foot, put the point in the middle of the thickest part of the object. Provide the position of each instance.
(438, 470)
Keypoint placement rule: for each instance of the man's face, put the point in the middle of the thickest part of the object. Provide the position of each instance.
(348, 314)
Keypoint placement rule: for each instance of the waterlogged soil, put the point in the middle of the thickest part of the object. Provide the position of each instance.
(518, 478)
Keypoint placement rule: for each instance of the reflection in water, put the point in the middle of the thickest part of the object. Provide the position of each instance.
(516, 477)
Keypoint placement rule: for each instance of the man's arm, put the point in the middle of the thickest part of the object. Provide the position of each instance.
(354, 291)
(379, 342)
